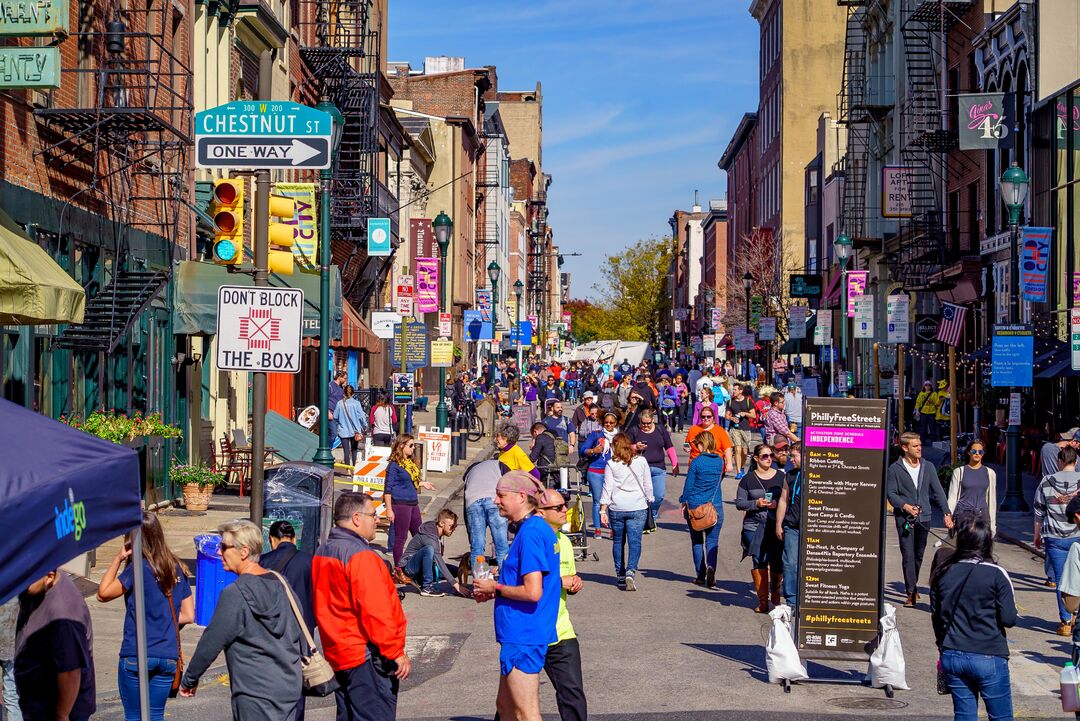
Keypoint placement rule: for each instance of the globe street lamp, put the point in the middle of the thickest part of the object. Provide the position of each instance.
(842, 250)
(444, 228)
(519, 288)
(493, 270)
(1014, 186)
(323, 455)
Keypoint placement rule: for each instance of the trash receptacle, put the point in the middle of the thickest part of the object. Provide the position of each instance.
(211, 578)
(302, 493)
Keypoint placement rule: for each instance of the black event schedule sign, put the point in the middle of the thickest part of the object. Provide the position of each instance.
(840, 544)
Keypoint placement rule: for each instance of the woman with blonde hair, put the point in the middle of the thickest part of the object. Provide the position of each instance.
(401, 494)
(624, 504)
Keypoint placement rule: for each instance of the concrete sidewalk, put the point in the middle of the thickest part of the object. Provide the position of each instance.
(180, 527)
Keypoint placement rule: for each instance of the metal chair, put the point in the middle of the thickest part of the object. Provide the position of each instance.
(234, 459)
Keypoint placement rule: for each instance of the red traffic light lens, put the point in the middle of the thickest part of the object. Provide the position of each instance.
(225, 193)
(225, 221)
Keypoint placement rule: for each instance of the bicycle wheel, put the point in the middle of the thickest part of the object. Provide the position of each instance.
(475, 429)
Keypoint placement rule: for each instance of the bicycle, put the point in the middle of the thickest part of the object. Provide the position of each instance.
(467, 418)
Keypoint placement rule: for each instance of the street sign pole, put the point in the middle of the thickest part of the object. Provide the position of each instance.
(404, 367)
(262, 253)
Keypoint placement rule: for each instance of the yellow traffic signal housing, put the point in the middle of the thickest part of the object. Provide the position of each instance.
(227, 210)
(280, 260)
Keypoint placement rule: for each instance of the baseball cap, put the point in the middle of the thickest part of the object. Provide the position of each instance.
(589, 396)
(519, 482)
(779, 442)
(1073, 434)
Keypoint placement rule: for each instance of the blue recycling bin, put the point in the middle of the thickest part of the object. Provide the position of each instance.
(211, 578)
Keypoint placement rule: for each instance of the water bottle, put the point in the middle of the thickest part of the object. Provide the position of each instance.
(481, 571)
(1070, 688)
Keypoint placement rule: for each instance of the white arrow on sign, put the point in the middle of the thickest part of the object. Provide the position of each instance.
(301, 151)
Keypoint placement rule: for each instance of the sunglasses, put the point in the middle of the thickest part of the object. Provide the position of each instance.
(705, 417)
(977, 453)
(560, 507)
(763, 456)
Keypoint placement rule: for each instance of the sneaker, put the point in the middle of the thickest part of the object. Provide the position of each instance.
(740, 474)
(596, 533)
(1064, 629)
(431, 592)
(630, 584)
(710, 578)
(620, 580)
(647, 531)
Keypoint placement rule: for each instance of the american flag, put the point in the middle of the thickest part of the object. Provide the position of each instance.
(952, 323)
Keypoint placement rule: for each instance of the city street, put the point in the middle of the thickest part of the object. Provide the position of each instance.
(675, 651)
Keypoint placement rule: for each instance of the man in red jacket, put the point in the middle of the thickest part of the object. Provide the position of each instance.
(360, 618)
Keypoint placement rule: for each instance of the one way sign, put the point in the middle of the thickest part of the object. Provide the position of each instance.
(254, 135)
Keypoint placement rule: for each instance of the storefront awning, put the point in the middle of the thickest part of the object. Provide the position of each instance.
(833, 292)
(355, 333)
(34, 290)
(195, 304)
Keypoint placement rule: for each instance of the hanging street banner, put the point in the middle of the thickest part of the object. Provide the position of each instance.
(896, 191)
(476, 328)
(1074, 337)
(864, 316)
(840, 543)
(767, 328)
(446, 325)
(897, 309)
(797, 322)
(1076, 288)
(262, 135)
(442, 353)
(856, 281)
(378, 237)
(984, 121)
(483, 303)
(757, 306)
(405, 294)
(696, 344)
(1012, 351)
(823, 328)
(422, 238)
(1035, 263)
(258, 329)
(304, 222)
(532, 319)
(708, 343)
(717, 318)
(427, 285)
(744, 339)
(416, 346)
(566, 318)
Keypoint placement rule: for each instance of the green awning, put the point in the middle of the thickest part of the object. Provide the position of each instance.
(34, 290)
(195, 300)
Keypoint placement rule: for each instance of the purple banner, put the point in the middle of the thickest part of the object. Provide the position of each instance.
(856, 286)
(483, 303)
(1035, 263)
(427, 285)
(863, 438)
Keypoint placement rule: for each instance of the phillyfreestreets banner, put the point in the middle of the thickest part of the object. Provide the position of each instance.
(840, 544)
(304, 222)
(1035, 263)
(427, 285)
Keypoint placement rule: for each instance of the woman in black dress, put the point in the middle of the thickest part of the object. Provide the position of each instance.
(757, 495)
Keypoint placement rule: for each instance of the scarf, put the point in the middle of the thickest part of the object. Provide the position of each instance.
(412, 469)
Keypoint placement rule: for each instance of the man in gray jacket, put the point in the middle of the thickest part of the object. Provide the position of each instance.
(911, 484)
(424, 555)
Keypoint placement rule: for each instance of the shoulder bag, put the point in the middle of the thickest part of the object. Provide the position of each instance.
(650, 520)
(704, 516)
(319, 679)
(942, 682)
(345, 405)
(175, 689)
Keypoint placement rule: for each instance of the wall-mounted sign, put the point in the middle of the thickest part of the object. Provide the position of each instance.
(422, 238)
(33, 17)
(926, 328)
(767, 328)
(896, 191)
(806, 285)
(22, 67)
(984, 121)
(378, 237)
(823, 328)
(864, 316)
(896, 315)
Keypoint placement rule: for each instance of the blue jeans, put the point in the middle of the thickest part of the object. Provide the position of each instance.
(421, 567)
(659, 487)
(12, 712)
(703, 544)
(481, 516)
(626, 528)
(791, 566)
(160, 672)
(1057, 550)
(596, 487)
(971, 675)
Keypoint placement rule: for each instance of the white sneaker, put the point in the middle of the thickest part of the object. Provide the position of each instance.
(631, 585)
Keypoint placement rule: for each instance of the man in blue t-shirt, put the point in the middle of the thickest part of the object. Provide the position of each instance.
(559, 424)
(526, 595)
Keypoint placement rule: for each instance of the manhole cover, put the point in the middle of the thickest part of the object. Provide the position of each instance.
(873, 703)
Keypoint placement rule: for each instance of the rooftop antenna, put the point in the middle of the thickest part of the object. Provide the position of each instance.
(697, 204)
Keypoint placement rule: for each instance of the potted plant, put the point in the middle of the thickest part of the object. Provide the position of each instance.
(198, 484)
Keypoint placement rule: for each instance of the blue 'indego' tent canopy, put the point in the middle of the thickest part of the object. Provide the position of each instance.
(62, 492)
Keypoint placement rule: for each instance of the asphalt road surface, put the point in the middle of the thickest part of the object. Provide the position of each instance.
(674, 651)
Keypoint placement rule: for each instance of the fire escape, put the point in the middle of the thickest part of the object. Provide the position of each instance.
(341, 52)
(925, 141)
(538, 282)
(123, 151)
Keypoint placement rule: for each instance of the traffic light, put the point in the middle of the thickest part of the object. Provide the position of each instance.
(227, 210)
(280, 260)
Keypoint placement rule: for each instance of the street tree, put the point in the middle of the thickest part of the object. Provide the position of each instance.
(633, 288)
(762, 253)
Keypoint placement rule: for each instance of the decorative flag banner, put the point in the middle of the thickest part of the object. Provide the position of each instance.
(952, 323)
(566, 316)
(983, 121)
(422, 238)
(797, 322)
(1035, 263)
(767, 328)
(864, 316)
(532, 319)
(823, 328)
(717, 318)
(442, 353)
(897, 310)
(378, 237)
(856, 286)
(744, 339)
(483, 303)
(708, 343)
(446, 326)
(427, 285)
(1076, 288)
(757, 304)
(304, 222)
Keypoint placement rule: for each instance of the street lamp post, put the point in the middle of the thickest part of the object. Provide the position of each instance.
(323, 455)
(444, 228)
(747, 281)
(842, 250)
(1014, 191)
(493, 270)
(519, 288)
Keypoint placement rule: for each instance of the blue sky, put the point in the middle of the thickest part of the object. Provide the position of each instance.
(640, 99)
